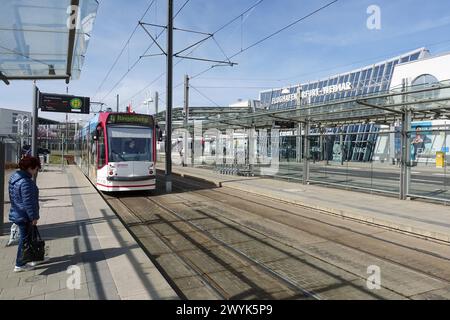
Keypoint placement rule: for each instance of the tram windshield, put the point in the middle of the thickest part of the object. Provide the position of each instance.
(130, 144)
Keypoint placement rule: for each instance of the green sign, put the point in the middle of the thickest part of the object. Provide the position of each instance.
(76, 103)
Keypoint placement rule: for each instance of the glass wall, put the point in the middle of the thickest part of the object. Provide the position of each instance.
(357, 156)
(430, 144)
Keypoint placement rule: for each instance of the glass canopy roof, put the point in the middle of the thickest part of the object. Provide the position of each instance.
(45, 39)
(423, 101)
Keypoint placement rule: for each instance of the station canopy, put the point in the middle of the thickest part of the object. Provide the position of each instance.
(431, 101)
(45, 39)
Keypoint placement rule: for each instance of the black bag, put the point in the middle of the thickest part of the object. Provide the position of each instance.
(34, 249)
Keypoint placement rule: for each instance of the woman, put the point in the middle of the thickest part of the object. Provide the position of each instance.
(24, 197)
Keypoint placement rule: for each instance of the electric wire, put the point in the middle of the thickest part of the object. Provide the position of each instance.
(123, 49)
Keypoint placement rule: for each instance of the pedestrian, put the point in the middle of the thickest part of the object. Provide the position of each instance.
(24, 212)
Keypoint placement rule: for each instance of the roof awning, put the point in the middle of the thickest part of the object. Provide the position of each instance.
(423, 101)
(45, 39)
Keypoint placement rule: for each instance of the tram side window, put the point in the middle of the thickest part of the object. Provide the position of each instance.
(93, 152)
(85, 149)
(101, 149)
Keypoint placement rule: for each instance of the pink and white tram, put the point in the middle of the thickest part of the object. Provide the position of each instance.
(117, 151)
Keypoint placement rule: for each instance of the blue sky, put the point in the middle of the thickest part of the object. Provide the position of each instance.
(334, 40)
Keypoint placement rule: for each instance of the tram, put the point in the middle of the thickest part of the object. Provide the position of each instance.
(117, 151)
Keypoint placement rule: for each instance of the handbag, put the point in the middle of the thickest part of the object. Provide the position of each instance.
(34, 249)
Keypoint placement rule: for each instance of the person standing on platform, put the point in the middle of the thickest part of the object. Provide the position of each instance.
(24, 197)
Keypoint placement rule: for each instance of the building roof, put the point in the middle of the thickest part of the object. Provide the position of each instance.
(423, 52)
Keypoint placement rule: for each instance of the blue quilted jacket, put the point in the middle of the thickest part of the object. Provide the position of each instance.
(24, 197)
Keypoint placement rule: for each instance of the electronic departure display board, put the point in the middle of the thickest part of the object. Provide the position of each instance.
(50, 102)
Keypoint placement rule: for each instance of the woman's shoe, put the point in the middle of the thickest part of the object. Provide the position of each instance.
(23, 268)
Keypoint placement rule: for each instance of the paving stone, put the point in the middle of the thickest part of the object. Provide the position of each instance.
(35, 280)
(36, 297)
(10, 282)
(167, 294)
(61, 294)
(67, 239)
(16, 293)
(82, 293)
(48, 288)
(441, 294)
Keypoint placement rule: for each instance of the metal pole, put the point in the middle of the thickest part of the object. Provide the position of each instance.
(156, 102)
(2, 185)
(186, 100)
(406, 154)
(306, 154)
(185, 120)
(35, 120)
(169, 97)
(251, 149)
(117, 103)
(62, 152)
(34, 151)
(299, 143)
(48, 128)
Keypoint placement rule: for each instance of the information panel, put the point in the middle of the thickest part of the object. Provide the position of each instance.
(64, 103)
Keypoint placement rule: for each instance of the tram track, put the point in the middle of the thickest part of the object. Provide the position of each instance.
(237, 260)
(257, 263)
(257, 281)
(239, 194)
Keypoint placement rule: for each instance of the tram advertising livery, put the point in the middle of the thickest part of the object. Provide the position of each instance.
(117, 151)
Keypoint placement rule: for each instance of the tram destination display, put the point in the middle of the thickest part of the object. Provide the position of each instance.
(50, 102)
(130, 118)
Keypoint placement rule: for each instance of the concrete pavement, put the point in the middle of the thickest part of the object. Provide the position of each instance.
(87, 244)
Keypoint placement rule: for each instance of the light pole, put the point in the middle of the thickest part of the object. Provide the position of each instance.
(21, 120)
(147, 103)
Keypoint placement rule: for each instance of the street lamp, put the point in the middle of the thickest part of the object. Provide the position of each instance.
(21, 120)
(147, 103)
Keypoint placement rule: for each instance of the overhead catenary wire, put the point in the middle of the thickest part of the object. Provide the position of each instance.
(141, 56)
(284, 28)
(390, 53)
(123, 49)
(204, 96)
(196, 46)
(265, 38)
(271, 35)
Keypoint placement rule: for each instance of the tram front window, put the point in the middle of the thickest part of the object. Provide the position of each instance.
(130, 144)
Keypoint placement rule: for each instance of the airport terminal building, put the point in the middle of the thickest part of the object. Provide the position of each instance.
(367, 80)
(415, 69)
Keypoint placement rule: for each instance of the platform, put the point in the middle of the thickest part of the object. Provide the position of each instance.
(413, 217)
(80, 230)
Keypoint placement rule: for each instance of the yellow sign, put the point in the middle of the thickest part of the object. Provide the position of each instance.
(440, 159)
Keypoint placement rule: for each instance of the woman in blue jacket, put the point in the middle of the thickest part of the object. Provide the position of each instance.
(24, 197)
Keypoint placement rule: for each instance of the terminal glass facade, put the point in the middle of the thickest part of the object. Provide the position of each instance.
(367, 80)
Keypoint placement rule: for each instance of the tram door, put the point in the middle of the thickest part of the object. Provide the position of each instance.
(92, 160)
(101, 150)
